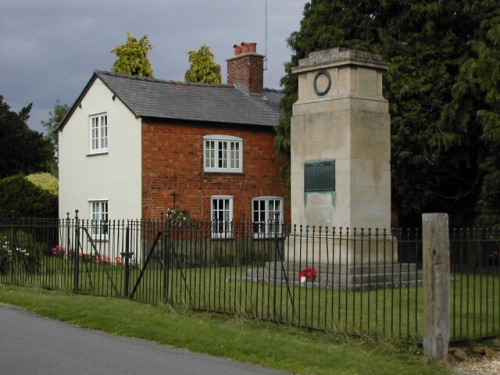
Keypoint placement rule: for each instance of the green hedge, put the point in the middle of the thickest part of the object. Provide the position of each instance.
(19, 197)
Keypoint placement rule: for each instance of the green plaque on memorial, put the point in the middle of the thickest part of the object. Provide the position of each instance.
(319, 176)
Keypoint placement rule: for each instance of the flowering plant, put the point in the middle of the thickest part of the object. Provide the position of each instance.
(58, 250)
(13, 252)
(12, 256)
(178, 215)
(102, 259)
(309, 273)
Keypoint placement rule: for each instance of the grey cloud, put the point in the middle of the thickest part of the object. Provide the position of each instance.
(49, 48)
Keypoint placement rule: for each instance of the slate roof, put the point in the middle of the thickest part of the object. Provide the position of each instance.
(153, 98)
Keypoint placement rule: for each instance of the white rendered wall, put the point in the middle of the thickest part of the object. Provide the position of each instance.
(114, 176)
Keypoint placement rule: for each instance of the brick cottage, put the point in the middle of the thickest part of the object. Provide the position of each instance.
(134, 147)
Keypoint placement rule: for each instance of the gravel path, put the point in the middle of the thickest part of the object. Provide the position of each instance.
(479, 366)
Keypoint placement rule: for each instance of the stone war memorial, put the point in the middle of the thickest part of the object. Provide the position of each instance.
(340, 172)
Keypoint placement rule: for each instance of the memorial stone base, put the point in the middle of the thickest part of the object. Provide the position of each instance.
(340, 277)
(343, 263)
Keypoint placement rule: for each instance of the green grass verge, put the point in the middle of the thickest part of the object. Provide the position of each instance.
(393, 313)
(281, 347)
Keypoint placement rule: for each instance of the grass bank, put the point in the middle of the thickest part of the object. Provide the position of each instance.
(281, 347)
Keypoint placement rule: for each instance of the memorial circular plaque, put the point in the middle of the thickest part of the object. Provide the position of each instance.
(322, 83)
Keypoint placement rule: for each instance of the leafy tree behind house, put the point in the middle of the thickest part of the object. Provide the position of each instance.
(52, 123)
(203, 67)
(132, 57)
(441, 150)
(22, 150)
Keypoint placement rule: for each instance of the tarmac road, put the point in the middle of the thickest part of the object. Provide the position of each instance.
(30, 344)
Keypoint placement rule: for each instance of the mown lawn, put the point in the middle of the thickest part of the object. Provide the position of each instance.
(394, 313)
(284, 347)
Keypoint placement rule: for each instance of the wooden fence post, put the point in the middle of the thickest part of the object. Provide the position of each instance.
(436, 274)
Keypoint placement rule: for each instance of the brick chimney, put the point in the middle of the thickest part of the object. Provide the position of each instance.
(246, 68)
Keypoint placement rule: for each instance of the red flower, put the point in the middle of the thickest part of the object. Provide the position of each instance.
(58, 250)
(102, 259)
(309, 273)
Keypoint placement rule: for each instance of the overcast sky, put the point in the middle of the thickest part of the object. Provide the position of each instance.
(50, 48)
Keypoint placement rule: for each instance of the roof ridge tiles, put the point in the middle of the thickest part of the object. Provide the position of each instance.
(158, 80)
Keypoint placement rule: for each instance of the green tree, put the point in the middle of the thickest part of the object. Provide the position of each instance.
(426, 42)
(22, 150)
(52, 123)
(476, 105)
(436, 150)
(487, 66)
(133, 57)
(203, 68)
(326, 24)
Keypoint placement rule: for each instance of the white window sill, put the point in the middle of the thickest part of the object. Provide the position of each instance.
(103, 238)
(227, 171)
(97, 153)
(222, 237)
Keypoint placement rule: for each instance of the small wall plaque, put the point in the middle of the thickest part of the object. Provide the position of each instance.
(322, 83)
(319, 176)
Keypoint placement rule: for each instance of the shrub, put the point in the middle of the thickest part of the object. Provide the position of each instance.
(45, 181)
(21, 198)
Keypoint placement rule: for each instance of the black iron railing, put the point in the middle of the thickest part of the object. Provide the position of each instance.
(364, 281)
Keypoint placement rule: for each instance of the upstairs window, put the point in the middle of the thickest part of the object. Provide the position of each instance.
(267, 216)
(223, 153)
(99, 219)
(99, 133)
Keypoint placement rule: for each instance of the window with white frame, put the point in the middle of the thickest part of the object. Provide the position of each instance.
(223, 153)
(99, 133)
(267, 214)
(99, 219)
(222, 216)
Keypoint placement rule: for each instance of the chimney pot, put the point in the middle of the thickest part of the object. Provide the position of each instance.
(246, 69)
(244, 48)
(252, 47)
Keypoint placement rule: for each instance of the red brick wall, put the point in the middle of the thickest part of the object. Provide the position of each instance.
(173, 161)
(247, 71)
